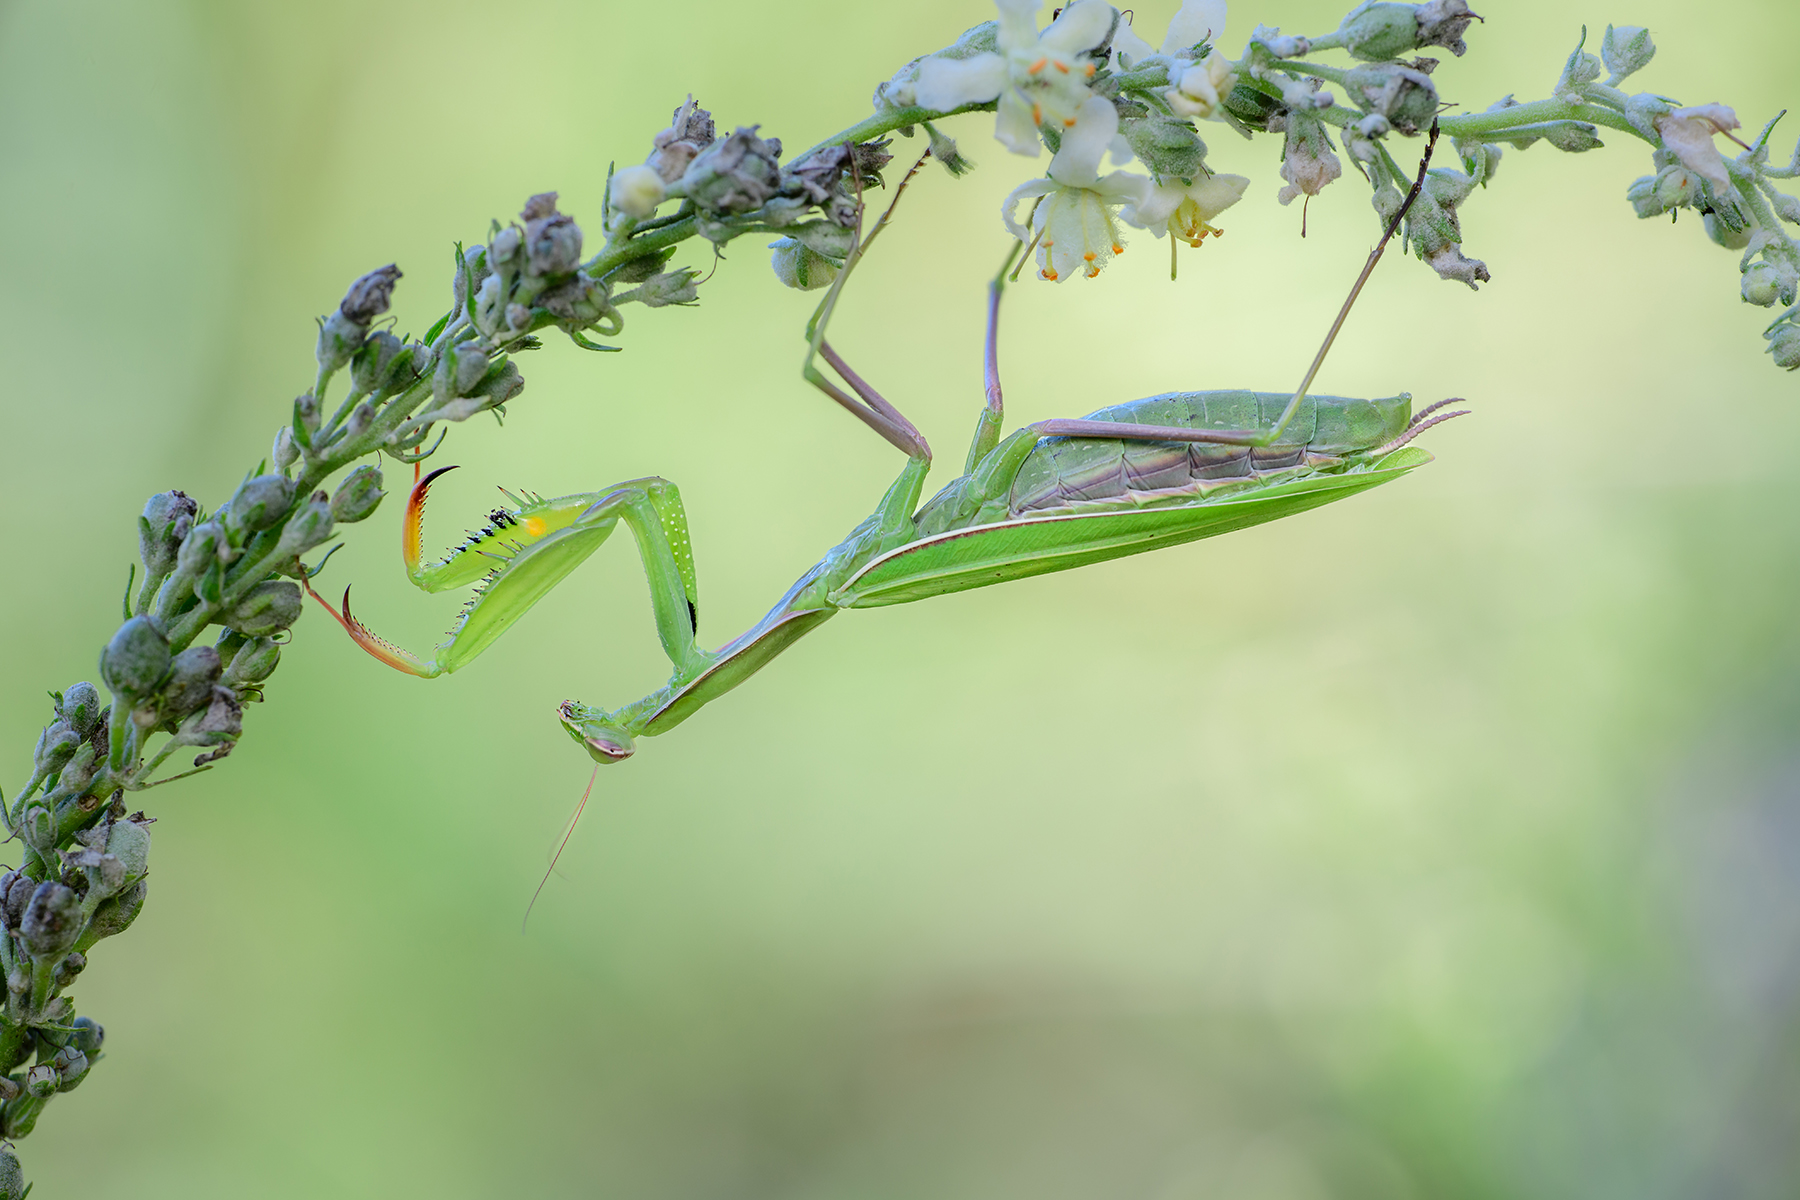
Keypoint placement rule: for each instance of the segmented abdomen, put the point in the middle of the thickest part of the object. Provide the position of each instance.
(1109, 473)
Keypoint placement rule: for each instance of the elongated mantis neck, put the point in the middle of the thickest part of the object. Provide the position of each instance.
(1293, 405)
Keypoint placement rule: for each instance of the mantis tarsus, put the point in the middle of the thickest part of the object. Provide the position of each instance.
(1056, 494)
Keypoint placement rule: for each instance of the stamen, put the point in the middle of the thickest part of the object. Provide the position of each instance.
(1068, 122)
(1118, 249)
(1047, 274)
(1089, 256)
(1048, 243)
(1090, 70)
(1063, 67)
(1092, 271)
(1037, 66)
(1037, 114)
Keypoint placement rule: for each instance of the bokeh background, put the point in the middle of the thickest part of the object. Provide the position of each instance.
(1445, 842)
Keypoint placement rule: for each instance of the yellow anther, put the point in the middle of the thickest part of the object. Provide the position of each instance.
(1037, 66)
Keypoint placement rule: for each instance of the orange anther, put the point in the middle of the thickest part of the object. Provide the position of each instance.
(1037, 114)
(1118, 249)
(1048, 243)
(1090, 70)
(1068, 122)
(1089, 256)
(1047, 273)
(1037, 66)
(1063, 67)
(1092, 271)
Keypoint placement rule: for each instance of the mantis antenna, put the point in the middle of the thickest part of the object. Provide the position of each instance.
(1356, 289)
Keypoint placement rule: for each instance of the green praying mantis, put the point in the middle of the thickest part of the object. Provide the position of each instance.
(1052, 495)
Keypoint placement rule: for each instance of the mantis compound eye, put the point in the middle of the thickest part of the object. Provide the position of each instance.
(605, 741)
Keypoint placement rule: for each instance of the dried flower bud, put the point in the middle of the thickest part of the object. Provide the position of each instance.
(1308, 163)
(259, 502)
(735, 175)
(1626, 49)
(269, 607)
(1377, 32)
(1407, 98)
(552, 239)
(341, 333)
(51, 922)
(309, 527)
(165, 522)
(219, 725)
(358, 495)
(70, 1064)
(18, 895)
(80, 707)
(135, 660)
(799, 267)
(192, 674)
(1442, 22)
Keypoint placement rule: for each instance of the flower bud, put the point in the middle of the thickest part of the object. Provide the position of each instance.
(1643, 197)
(70, 1064)
(56, 745)
(458, 371)
(269, 607)
(943, 148)
(1624, 50)
(252, 662)
(1676, 187)
(259, 502)
(342, 333)
(165, 522)
(1572, 136)
(1727, 226)
(192, 674)
(114, 915)
(72, 965)
(12, 1178)
(359, 420)
(1784, 344)
(737, 174)
(308, 527)
(798, 267)
(552, 240)
(1378, 32)
(1580, 70)
(80, 707)
(358, 495)
(1761, 285)
(1171, 149)
(89, 1036)
(376, 363)
(135, 660)
(636, 191)
(129, 843)
(40, 1082)
(51, 922)
(285, 452)
(1407, 98)
(201, 548)
(672, 287)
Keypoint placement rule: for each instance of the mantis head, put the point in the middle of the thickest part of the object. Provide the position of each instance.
(605, 741)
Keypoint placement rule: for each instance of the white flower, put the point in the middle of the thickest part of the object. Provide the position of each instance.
(1186, 210)
(1073, 223)
(1688, 133)
(636, 191)
(1039, 78)
(1202, 86)
(1196, 21)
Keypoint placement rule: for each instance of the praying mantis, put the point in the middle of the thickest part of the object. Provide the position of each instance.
(1052, 495)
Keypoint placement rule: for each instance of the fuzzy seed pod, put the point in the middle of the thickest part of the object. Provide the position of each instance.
(135, 660)
(358, 495)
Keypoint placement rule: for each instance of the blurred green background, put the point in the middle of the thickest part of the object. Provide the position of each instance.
(1445, 842)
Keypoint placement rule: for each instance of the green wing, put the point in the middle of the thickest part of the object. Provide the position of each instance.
(987, 554)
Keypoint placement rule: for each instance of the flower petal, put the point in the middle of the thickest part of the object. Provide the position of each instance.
(1218, 193)
(1127, 42)
(1198, 21)
(948, 83)
(1018, 23)
(1080, 26)
(1077, 164)
(1013, 124)
(1691, 140)
(1154, 207)
(1009, 206)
